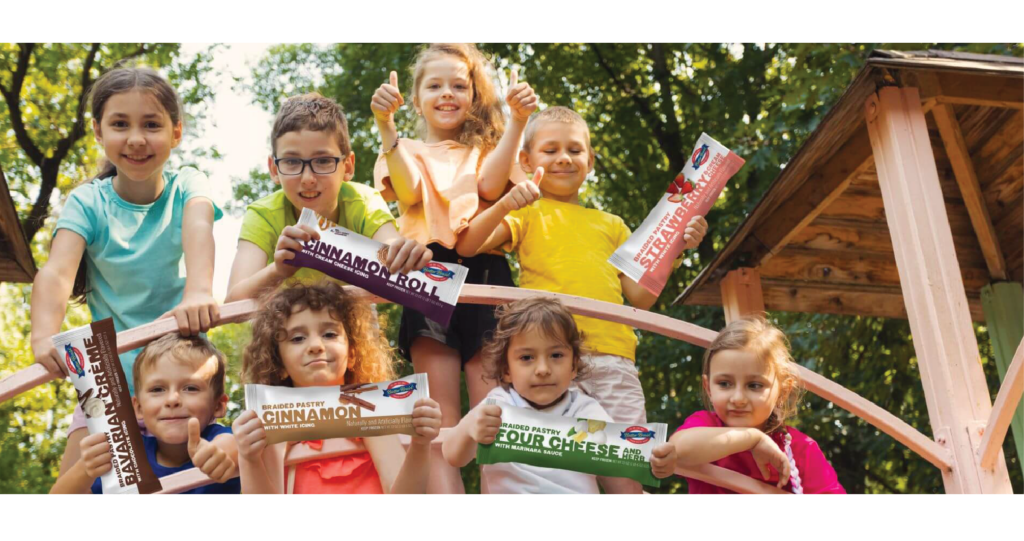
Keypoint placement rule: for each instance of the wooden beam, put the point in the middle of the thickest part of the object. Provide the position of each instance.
(741, 294)
(968, 89)
(1004, 318)
(728, 479)
(970, 189)
(817, 193)
(1002, 412)
(23, 266)
(955, 389)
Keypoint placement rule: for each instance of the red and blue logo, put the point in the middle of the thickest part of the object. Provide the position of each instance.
(700, 156)
(399, 389)
(438, 272)
(75, 361)
(637, 434)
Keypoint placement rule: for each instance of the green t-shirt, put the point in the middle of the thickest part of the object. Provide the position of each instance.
(361, 209)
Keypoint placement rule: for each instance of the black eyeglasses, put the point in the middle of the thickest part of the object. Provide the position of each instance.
(323, 165)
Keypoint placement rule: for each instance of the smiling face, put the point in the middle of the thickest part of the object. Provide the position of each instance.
(173, 390)
(311, 190)
(561, 149)
(137, 135)
(315, 349)
(444, 97)
(742, 388)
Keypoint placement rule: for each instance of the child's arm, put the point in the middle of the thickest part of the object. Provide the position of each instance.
(218, 459)
(403, 253)
(637, 295)
(198, 311)
(407, 472)
(487, 231)
(497, 167)
(386, 100)
(95, 462)
(478, 426)
(705, 444)
(261, 467)
(50, 293)
(250, 274)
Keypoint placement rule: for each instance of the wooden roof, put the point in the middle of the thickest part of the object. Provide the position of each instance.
(16, 264)
(819, 237)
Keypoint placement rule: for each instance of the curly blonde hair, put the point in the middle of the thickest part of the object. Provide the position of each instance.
(370, 358)
(546, 314)
(485, 122)
(756, 335)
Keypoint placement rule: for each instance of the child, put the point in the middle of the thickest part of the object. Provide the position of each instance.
(317, 335)
(180, 383)
(134, 215)
(751, 386)
(563, 247)
(313, 162)
(536, 353)
(464, 160)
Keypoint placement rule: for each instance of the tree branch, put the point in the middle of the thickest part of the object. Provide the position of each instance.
(78, 129)
(13, 98)
(673, 143)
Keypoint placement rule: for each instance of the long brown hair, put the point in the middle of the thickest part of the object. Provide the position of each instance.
(485, 122)
(370, 358)
(111, 83)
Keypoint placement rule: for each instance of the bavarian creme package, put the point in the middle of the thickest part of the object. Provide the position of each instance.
(90, 354)
(647, 256)
(587, 446)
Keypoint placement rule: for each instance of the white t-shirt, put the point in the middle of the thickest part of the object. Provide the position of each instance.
(515, 478)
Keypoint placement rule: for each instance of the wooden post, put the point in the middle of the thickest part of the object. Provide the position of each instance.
(1003, 303)
(954, 385)
(741, 293)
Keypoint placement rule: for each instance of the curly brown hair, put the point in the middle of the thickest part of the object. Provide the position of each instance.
(769, 344)
(485, 122)
(546, 314)
(370, 358)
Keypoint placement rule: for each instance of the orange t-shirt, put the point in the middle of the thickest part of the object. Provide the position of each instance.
(447, 176)
(347, 474)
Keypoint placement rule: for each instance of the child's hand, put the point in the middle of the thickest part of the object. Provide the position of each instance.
(766, 452)
(197, 312)
(485, 424)
(694, 232)
(524, 193)
(46, 355)
(96, 455)
(290, 242)
(386, 100)
(663, 460)
(521, 99)
(209, 458)
(250, 436)
(426, 419)
(407, 255)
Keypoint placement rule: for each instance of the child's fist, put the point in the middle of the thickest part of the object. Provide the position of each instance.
(524, 193)
(426, 419)
(46, 355)
(521, 99)
(209, 458)
(291, 241)
(766, 452)
(96, 455)
(407, 255)
(196, 313)
(694, 232)
(663, 460)
(250, 436)
(485, 424)
(386, 100)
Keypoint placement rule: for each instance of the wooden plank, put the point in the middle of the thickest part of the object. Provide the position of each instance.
(1004, 312)
(969, 89)
(1002, 411)
(819, 192)
(955, 389)
(967, 179)
(23, 268)
(741, 294)
(728, 479)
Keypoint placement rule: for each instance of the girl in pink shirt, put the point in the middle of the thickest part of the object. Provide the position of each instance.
(751, 386)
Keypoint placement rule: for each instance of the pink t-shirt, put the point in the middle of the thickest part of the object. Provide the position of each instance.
(816, 473)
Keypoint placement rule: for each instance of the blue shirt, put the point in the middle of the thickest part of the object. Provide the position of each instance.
(233, 486)
(135, 263)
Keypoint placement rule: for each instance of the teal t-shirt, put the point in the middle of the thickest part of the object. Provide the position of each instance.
(134, 259)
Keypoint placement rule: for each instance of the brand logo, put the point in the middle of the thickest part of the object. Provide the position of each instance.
(74, 360)
(700, 156)
(637, 434)
(399, 389)
(438, 272)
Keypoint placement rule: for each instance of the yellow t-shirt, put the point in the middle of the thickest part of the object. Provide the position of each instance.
(564, 248)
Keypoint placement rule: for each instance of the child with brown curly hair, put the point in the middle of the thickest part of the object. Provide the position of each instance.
(318, 335)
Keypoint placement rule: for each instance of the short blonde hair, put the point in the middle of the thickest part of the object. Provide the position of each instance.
(756, 335)
(557, 113)
(191, 349)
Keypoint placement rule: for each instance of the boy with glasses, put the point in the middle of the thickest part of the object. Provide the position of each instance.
(313, 163)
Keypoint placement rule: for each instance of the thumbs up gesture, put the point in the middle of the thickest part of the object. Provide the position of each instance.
(524, 193)
(521, 99)
(209, 458)
(386, 100)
